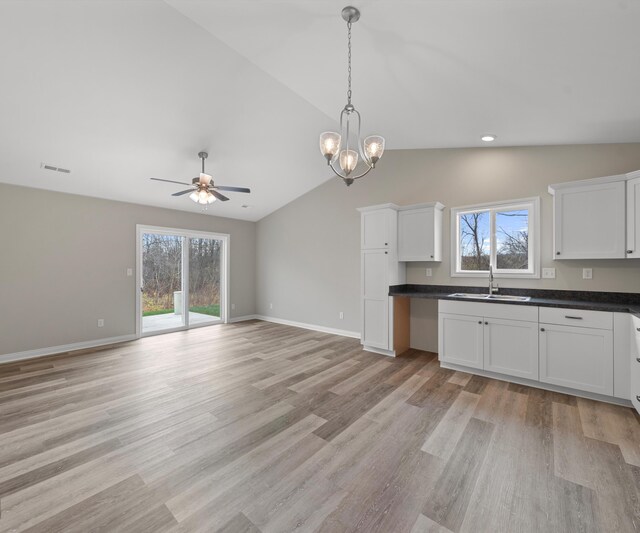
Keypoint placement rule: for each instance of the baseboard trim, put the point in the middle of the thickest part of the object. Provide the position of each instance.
(242, 318)
(53, 350)
(537, 384)
(381, 351)
(314, 327)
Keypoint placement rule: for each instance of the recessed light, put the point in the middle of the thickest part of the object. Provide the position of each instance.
(246, 206)
(489, 137)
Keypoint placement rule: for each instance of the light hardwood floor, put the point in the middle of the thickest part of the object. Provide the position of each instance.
(261, 427)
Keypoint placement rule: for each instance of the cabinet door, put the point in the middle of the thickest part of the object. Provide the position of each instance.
(633, 218)
(375, 229)
(589, 222)
(460, 339)
(511, 347)
(579, 358)
(416, 235)
(635, 363)
(375, 299)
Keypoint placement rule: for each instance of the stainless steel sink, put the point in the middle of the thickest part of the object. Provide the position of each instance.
(469, 295)
(499, 297)
(508, 298)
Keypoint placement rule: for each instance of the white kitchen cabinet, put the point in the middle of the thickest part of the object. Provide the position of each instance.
(511, 347)
(589, 219)
(633, 218)
(379, 227)
(480, 335)
(635, 362)
(576, 357)
(380, 268)
(461, 339)
(420, 232)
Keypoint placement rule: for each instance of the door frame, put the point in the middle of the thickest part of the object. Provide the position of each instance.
(185, 234)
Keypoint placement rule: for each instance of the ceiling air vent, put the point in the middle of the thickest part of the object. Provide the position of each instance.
(55, 169)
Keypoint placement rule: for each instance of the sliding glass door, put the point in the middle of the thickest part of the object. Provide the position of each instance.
(182, 279)
(162, 282)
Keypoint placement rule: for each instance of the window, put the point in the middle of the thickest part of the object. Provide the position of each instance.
(504, 235)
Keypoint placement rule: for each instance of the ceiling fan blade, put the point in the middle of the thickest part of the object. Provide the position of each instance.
(219, 196)
(182, 192)
(232, 189)
(170, 181)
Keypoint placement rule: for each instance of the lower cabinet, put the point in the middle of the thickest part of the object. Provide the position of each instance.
(497, 345)
(577, 349)
(511, 347)
(635, 362)
(563, 347)
(460, 339)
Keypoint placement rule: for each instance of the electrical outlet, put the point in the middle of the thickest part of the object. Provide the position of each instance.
(101, 322)
(233, 307)
(549, 273)
(270, 306)
(129, 272)
(341, 315)
(587, 273)
(429, 272)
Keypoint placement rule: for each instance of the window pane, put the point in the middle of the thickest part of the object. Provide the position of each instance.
(512, 236)
(475, 246)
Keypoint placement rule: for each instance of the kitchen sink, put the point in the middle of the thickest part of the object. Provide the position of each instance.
(499, 297)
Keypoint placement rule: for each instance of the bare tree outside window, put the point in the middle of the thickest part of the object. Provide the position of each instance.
(474, 233)
(509, 246)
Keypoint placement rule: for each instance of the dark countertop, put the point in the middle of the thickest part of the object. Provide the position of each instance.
(617, 302)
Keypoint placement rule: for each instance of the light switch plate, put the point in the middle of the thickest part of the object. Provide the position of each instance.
(587, 273)
(129, 272)
(429, 272)
(101, 322)
(549, 273)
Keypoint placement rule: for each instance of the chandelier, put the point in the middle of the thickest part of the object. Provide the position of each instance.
(345, 148)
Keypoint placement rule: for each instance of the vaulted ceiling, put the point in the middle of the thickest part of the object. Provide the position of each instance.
(119, 91)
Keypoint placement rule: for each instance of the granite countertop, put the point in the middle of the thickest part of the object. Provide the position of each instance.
(618, 302)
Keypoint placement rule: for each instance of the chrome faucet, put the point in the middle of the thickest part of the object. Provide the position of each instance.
(492, 289)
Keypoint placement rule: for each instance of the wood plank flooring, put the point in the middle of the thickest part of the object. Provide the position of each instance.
(257, 427)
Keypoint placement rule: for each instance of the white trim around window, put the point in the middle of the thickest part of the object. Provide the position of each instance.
(531, 205)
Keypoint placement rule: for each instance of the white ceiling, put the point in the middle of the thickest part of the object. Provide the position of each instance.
(120, 91)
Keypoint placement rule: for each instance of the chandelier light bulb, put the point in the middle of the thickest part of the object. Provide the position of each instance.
(329, 144)
(194, 196)
(348, 161)
(211, 198)
(374, 148)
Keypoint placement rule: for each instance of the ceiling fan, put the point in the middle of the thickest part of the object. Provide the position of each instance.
(202, 188)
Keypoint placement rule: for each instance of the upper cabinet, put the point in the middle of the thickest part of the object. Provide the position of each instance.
(633, 216)
(592, 219)
(420, 232)
(379, 227)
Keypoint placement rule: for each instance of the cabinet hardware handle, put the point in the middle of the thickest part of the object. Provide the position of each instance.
(638, 359)
(431, 256)
(479, 321)
(486, 323)
(386, 244)
(629, 251)
(638, 398)
(573, 317)
(638, 329)
(541, 329)
(557, 253)
(386, 253)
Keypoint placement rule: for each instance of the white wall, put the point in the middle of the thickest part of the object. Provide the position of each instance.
(308, 251)
(63, 261)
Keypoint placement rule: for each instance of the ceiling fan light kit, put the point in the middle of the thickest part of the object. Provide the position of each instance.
(203, 190)
(345, 148)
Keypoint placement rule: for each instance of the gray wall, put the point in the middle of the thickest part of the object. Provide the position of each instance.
(308, 251)
(63, 261)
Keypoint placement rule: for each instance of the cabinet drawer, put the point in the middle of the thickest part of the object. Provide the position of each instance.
(576, 317)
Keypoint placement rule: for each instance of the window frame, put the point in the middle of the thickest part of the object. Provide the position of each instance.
(532, 205)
